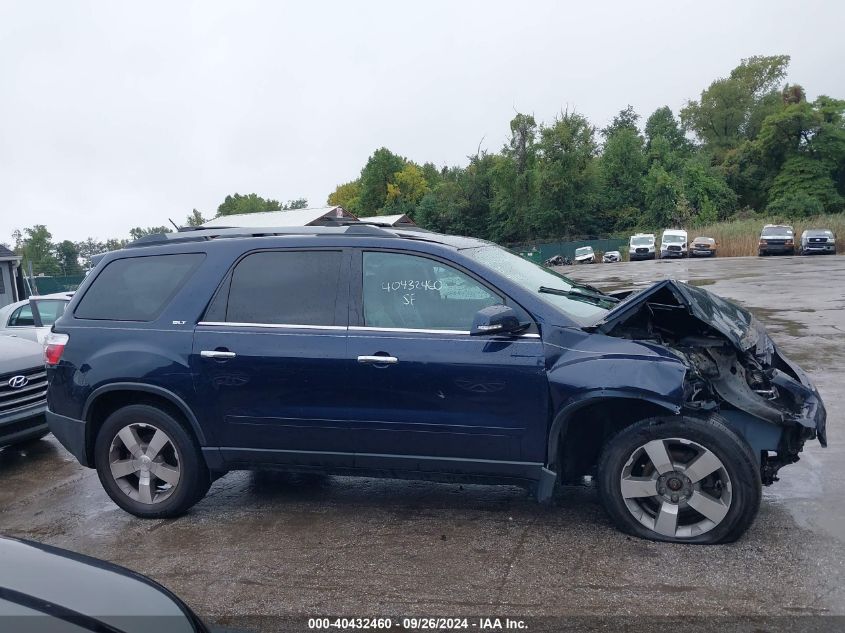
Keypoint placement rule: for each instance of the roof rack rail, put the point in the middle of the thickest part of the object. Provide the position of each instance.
(353, 228)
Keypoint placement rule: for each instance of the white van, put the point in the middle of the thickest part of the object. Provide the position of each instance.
(641, 246)
(673, 243)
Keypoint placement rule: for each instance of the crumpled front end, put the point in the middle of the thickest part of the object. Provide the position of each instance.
(733, 368)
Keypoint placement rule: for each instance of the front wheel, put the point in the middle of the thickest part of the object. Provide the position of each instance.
(680, 479)
(149, 463)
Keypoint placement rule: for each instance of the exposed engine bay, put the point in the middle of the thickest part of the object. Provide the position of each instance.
(732, 363)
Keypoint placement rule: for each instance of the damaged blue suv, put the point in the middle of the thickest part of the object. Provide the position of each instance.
(366, 350)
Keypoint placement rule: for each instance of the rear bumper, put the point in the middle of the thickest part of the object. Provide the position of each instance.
(23, 424)
(71, 434)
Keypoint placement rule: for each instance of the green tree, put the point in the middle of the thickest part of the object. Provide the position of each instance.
(251, 203)
(138, 232)
(569, 181)
(623, 168)
(663, 192)
(195, 219)
(37, 249)
(346, 196)
(87, 249)
(625, 120)
(731, 109)
(298, 203)
(67, 254)
(406, 190)
(663, 124)
(380, 170)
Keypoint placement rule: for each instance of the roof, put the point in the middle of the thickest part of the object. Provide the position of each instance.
(293, 217)
(5, 254)
(393, 220)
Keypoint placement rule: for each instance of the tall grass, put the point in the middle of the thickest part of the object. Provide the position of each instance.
(737, 238)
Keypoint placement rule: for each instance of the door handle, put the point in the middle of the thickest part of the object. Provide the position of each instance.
(214, 353)
(378, 360)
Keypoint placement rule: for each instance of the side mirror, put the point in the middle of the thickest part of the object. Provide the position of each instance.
(498, 319)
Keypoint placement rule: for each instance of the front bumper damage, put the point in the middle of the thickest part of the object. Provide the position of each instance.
(734, 369)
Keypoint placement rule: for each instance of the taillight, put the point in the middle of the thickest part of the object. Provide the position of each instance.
(54, 345)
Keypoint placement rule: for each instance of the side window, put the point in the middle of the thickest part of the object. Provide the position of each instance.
(407, 291)
(285, 288)
(136, 288)
(22, 317)
(50, 311)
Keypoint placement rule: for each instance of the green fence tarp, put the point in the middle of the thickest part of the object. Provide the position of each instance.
(541, 252)
(49, 285)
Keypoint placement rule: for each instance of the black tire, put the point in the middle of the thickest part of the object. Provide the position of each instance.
(712, 434)
(194, 479)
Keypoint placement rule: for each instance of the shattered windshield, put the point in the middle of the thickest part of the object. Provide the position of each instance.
(547, 285)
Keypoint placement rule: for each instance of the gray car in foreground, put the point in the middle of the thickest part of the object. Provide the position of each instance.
(44, 588)
(23, 391)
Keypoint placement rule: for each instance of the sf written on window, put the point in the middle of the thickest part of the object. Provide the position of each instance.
(412, 292)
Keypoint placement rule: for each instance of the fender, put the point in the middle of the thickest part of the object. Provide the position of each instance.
(146, 388)
(564, 415)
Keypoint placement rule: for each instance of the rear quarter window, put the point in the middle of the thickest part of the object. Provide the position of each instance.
(136, 288)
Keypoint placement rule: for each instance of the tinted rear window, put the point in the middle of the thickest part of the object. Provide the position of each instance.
(285, 287)
(136, 288)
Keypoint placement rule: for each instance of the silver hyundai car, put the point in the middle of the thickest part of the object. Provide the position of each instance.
(23, 391)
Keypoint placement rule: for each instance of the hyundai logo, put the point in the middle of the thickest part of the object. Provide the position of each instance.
(16, 382)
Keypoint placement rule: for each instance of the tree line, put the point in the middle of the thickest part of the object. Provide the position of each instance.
(749, 144)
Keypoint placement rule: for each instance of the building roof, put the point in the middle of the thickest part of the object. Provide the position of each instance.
(294, 217)
(6, 254)
(391, 220)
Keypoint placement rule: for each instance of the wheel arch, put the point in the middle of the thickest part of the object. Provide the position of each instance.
(108, 398)
(572, 423)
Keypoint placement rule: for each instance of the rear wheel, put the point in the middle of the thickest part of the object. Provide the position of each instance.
(680, 479)
(148, 463)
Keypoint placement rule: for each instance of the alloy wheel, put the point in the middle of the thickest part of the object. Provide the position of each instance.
(676, 487)
(144, 463)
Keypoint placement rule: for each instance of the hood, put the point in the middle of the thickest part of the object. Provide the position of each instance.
(734, 323)
(17, 354)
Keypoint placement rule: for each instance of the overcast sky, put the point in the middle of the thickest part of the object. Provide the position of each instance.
(117, 114)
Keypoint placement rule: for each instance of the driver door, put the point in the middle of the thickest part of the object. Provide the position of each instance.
(438, 393)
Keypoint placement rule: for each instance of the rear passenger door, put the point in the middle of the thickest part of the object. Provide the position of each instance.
(438, 393)
(268, 357)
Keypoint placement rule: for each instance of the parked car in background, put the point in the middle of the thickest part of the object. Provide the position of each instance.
(673, 243)
(641, 246)
(46, 588)
(194, 353)
(611, 257)
(585, 255)
(557, 260)
(818, 241)
(777, 239)
(33, 317)
(23, 391)
(703, 247)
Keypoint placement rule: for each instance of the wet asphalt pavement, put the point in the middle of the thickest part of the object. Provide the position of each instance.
(268, 544)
